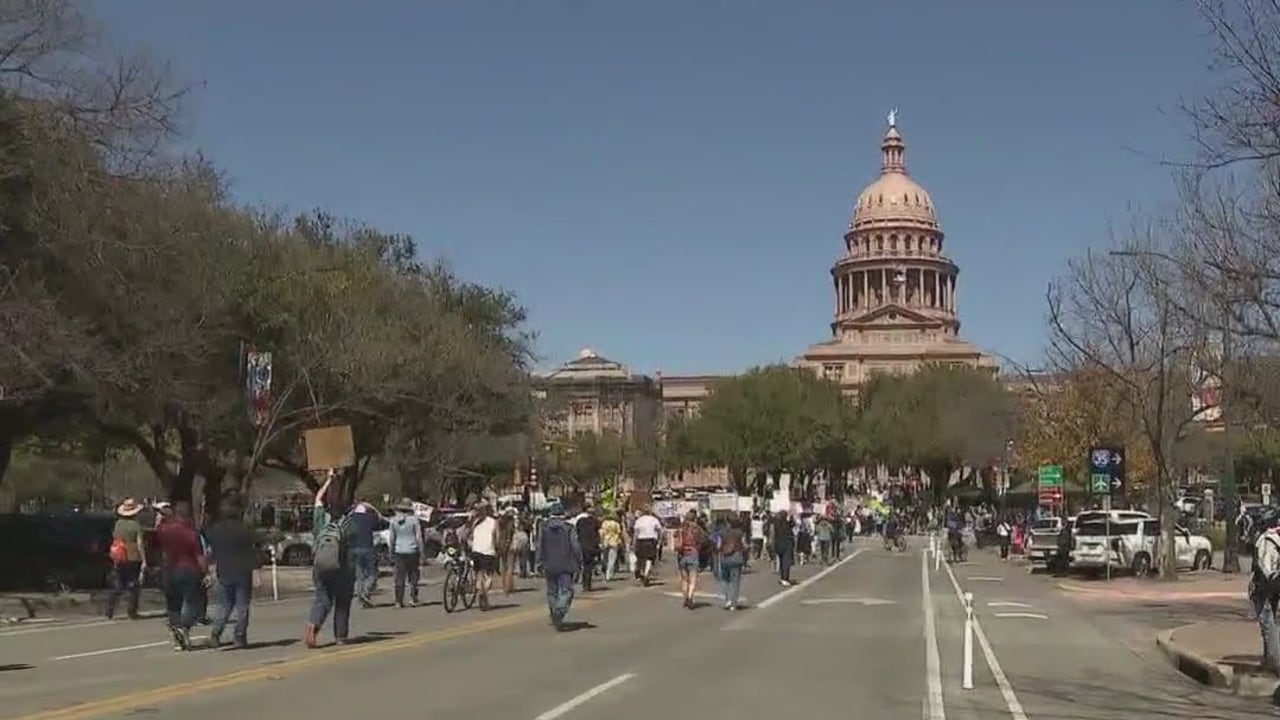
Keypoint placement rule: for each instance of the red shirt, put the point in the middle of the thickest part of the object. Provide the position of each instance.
(180, 544)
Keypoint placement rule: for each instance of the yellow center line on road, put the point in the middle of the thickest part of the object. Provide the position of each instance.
(319, 659)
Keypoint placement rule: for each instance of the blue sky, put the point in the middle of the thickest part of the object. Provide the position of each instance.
(668, 181)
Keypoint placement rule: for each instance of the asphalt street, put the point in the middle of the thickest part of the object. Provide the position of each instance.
(879, 635)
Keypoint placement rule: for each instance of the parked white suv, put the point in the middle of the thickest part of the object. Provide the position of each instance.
(1133, 539)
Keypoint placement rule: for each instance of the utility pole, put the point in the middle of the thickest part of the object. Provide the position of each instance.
(1230, 496)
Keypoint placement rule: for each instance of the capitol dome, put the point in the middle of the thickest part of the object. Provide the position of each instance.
(894, 199)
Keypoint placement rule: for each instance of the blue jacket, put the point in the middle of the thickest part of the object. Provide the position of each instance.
(558, 548)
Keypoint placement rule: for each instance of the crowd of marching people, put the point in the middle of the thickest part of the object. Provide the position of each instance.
(208, 572)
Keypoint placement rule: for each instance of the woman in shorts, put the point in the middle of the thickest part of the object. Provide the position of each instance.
(689, 539)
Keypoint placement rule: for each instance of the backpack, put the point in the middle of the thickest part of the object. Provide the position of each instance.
(331, 548)
(119, 552)
(690, 539)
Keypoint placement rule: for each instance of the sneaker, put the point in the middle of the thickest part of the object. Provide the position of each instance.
(181, 640)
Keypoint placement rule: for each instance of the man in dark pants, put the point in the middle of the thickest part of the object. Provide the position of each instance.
(234, 552)
(784, 545)
(588, 527)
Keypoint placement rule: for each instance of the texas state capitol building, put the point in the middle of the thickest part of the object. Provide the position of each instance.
(895, 308)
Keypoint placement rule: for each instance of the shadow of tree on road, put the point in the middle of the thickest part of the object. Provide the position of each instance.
(1057, 699)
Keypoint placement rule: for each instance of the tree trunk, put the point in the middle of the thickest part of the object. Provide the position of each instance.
(6, 453)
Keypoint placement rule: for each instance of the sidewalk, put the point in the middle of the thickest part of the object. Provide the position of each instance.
(1221, 654)
(1206, 587)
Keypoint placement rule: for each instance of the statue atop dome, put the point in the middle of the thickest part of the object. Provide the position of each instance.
(893, 118)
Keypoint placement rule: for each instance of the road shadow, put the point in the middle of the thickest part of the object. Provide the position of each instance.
(519, 590)
(370, 637)
(1167, 615)
(264, 644)
(575, 626)
(16, 666)
(501, 606)
(1052, 698)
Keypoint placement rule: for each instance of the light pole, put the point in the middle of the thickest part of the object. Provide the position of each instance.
(1230, 494)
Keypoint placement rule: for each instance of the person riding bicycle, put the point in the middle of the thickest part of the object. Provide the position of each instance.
(892, 526)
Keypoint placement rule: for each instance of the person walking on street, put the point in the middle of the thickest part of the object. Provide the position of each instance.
(333, 575)
(504, 543)
(587, 528)
(364, 523)
(484, 552)
(129, 558)
(731, 556)
(561, 558)
(406, 543)
(1005, 533)
(648, 538)
(688, 542)
(184, 572)
(613, 540)
(784, 546)
(233, 550)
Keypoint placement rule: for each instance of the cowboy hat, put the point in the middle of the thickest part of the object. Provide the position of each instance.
(128, 508)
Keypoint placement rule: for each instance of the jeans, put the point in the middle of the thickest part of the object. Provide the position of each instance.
(334, 592)
(824, 550)
(1265, 609)
(182, 596)
(366, 567)
(786, 557)
(234, 596)
(559, 595)
(407, 571)
(127, 578)
(730, 575)
(610, 562)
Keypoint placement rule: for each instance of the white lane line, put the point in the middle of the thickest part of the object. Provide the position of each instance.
(1028, 615)
(982, 578)
(933, 662)
(575, 701)
(997, 672)
(110, 651)
(1008, 603)
(775, 599)
(705, 596)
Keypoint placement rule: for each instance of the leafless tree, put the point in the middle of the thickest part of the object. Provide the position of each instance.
(58, 61)
(1114, 314)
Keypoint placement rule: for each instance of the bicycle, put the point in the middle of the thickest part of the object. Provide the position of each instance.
(459, 581)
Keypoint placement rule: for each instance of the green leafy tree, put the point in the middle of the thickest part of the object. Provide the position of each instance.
(939, 419)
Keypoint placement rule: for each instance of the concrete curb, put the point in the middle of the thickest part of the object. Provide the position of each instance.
(1194, 665)
(1216, 675)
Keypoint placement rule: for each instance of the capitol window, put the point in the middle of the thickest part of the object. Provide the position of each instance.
(833, 371)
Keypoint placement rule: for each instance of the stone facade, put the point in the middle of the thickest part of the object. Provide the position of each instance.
(598, 395)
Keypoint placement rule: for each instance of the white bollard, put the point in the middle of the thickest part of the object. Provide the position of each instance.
(967, 682)
(275, 576)
(937, 553)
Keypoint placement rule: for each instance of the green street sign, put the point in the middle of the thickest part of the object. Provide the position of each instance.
(1050, 476)
(1100, 483)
